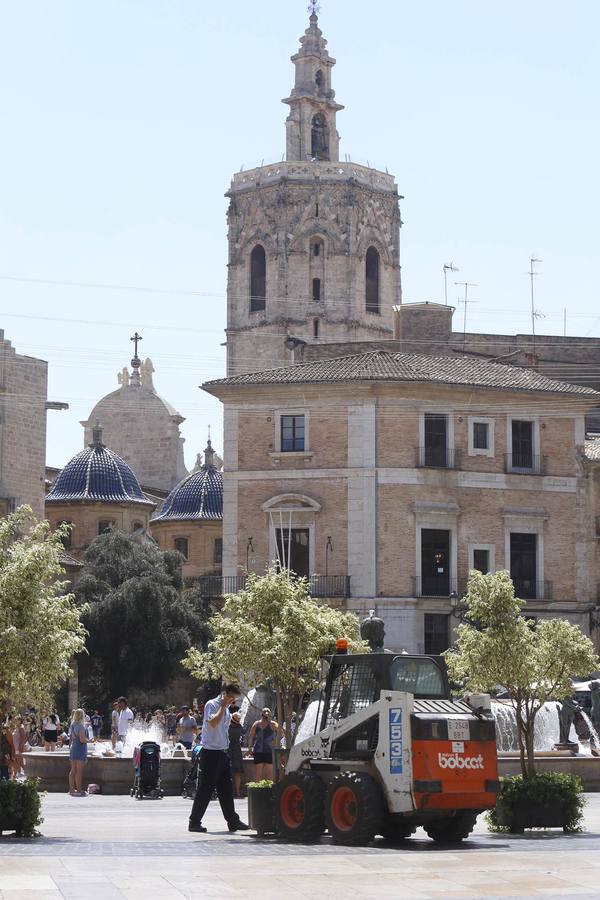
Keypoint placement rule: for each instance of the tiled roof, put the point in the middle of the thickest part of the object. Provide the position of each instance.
(380, 365)
(97, 474)
(592, 450)
(199, 496)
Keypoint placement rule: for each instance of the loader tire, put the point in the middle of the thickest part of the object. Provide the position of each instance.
(299, 807)
(395, 834)
(450, 831)
(353, 809)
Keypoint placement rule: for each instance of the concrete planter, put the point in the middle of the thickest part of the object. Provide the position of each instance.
(260, 810)
(529, 814)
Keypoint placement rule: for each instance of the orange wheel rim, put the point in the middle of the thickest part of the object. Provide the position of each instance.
(291, 806)
(344, 809)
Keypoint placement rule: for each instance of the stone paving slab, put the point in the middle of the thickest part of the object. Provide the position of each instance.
(104, 848)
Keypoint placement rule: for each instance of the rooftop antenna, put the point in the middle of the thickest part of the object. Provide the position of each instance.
(535, 314)
(448, 267)
(466, 301)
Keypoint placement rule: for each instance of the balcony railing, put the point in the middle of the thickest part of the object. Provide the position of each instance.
(321, 586)
(437, 458)
(524, 464)
(526, 589)
(435, 585)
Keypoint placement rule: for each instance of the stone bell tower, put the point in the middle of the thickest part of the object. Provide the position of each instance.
(314, 243)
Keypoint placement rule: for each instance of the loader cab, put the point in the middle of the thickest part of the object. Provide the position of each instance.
(355, 681)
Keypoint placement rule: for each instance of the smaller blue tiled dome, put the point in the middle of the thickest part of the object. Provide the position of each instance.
(199, 496)
(97, 474)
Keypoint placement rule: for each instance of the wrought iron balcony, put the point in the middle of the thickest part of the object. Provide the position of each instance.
(524, 464)
(437, 458)
(435, 585)
(527, 589)
(322, 586)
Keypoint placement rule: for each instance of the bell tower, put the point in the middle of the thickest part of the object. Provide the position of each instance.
(314, 243)
(310, 127)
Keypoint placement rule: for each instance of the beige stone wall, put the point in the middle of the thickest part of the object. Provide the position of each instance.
(87, 516)
(23, 394)
(286, 211)
(200, 535)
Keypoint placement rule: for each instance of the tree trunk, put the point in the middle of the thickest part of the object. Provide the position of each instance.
(529, 738)
(521, 738)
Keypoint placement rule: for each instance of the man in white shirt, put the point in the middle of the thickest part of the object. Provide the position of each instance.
(215, 765)
(125, 717)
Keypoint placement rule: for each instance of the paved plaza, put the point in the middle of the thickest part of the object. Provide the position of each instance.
(100, 848)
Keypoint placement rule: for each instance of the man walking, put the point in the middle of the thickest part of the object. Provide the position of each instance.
(215, 766)
(125, 718)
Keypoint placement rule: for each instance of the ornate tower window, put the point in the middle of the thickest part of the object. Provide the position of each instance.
(372, 280)
(258, 279)
(316, 290)
(316, 269)
(319, 80)
(319, 138)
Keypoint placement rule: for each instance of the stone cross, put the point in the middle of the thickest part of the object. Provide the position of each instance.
(136, 338)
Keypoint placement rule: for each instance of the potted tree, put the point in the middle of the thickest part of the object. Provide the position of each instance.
(496, 645)
(260, 806)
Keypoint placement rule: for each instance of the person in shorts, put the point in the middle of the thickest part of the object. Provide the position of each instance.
(187, 728)
(50, 725)
(262, 740)
(96, 720)
(114, 724)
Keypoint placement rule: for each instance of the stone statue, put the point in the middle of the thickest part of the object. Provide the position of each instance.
(146, 370)
(123, 376)
(372, 630)
(569, 706)
(595, 695)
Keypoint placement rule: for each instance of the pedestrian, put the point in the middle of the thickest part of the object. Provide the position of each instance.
(125, 718)
(236, 733)
(215, 765)
(50, 725)
(96, 720)
(77, 753)
(261, 740)
(19, 740)
(114, 724)
(187, 728)
(171, 720)
(7, 752)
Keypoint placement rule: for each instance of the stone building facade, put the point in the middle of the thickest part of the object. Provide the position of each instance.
(142, 428)
(387, 477)
(314, 242)
(23, 405)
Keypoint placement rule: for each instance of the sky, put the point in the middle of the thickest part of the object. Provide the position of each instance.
(123, 122)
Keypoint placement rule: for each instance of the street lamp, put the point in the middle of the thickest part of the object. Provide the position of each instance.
(458, 609)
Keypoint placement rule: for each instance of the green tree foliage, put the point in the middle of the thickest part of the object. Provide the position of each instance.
(497, 645)
(40, 627)
(140, 619)
(274, 631)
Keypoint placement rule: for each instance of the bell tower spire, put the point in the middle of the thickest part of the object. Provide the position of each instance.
(310, 127)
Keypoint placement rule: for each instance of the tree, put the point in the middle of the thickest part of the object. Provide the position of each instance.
(40, 625)
(140, 619)
(274, 631)
(496, 645)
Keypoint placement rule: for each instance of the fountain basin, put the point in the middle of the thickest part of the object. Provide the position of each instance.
(586, 767)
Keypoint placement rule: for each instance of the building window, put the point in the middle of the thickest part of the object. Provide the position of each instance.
(105, 526)
(316, 248)
(435, 445)
(66, 539)
(319, 138)
(292, 434)
(181, 545)
(523, 564)
(293, 550)
(137, 526)
(481, 560)
(316, 328)
(481, 437)
(435, 563)
(319, 78)
(372, 280)
(436, 633)
(316, 290)
(258, 279)
(522, 444)
(218, 551)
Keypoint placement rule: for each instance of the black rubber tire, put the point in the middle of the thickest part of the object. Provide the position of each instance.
(366, 809)
(396, 833)
(300, 796)
(453, 830)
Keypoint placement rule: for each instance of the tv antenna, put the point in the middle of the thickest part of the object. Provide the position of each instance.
(535, 313)
(448, 267)
(466, 301)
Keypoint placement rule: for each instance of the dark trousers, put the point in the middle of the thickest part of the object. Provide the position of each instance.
(215, 773)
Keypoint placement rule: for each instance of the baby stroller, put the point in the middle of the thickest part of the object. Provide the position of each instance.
(190, 782)
(146, 763)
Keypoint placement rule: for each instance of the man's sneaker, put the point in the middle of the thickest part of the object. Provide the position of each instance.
(194, 827)
(239, 826)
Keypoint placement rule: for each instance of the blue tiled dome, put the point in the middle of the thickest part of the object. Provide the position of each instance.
(97, 474)
(199, 496)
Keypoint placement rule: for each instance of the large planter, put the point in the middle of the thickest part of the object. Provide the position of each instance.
(531, 814)
(8, 823)
(260, 810)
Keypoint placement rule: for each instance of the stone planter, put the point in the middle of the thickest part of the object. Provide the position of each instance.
(260, 810)
(7, 824)
(530, 814)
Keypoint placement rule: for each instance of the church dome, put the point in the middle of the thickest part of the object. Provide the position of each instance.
(199, 496)
(97, 474)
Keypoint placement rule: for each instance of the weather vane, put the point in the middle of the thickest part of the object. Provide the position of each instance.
(314, 7)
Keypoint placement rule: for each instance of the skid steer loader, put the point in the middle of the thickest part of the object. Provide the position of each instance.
(391, 751)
